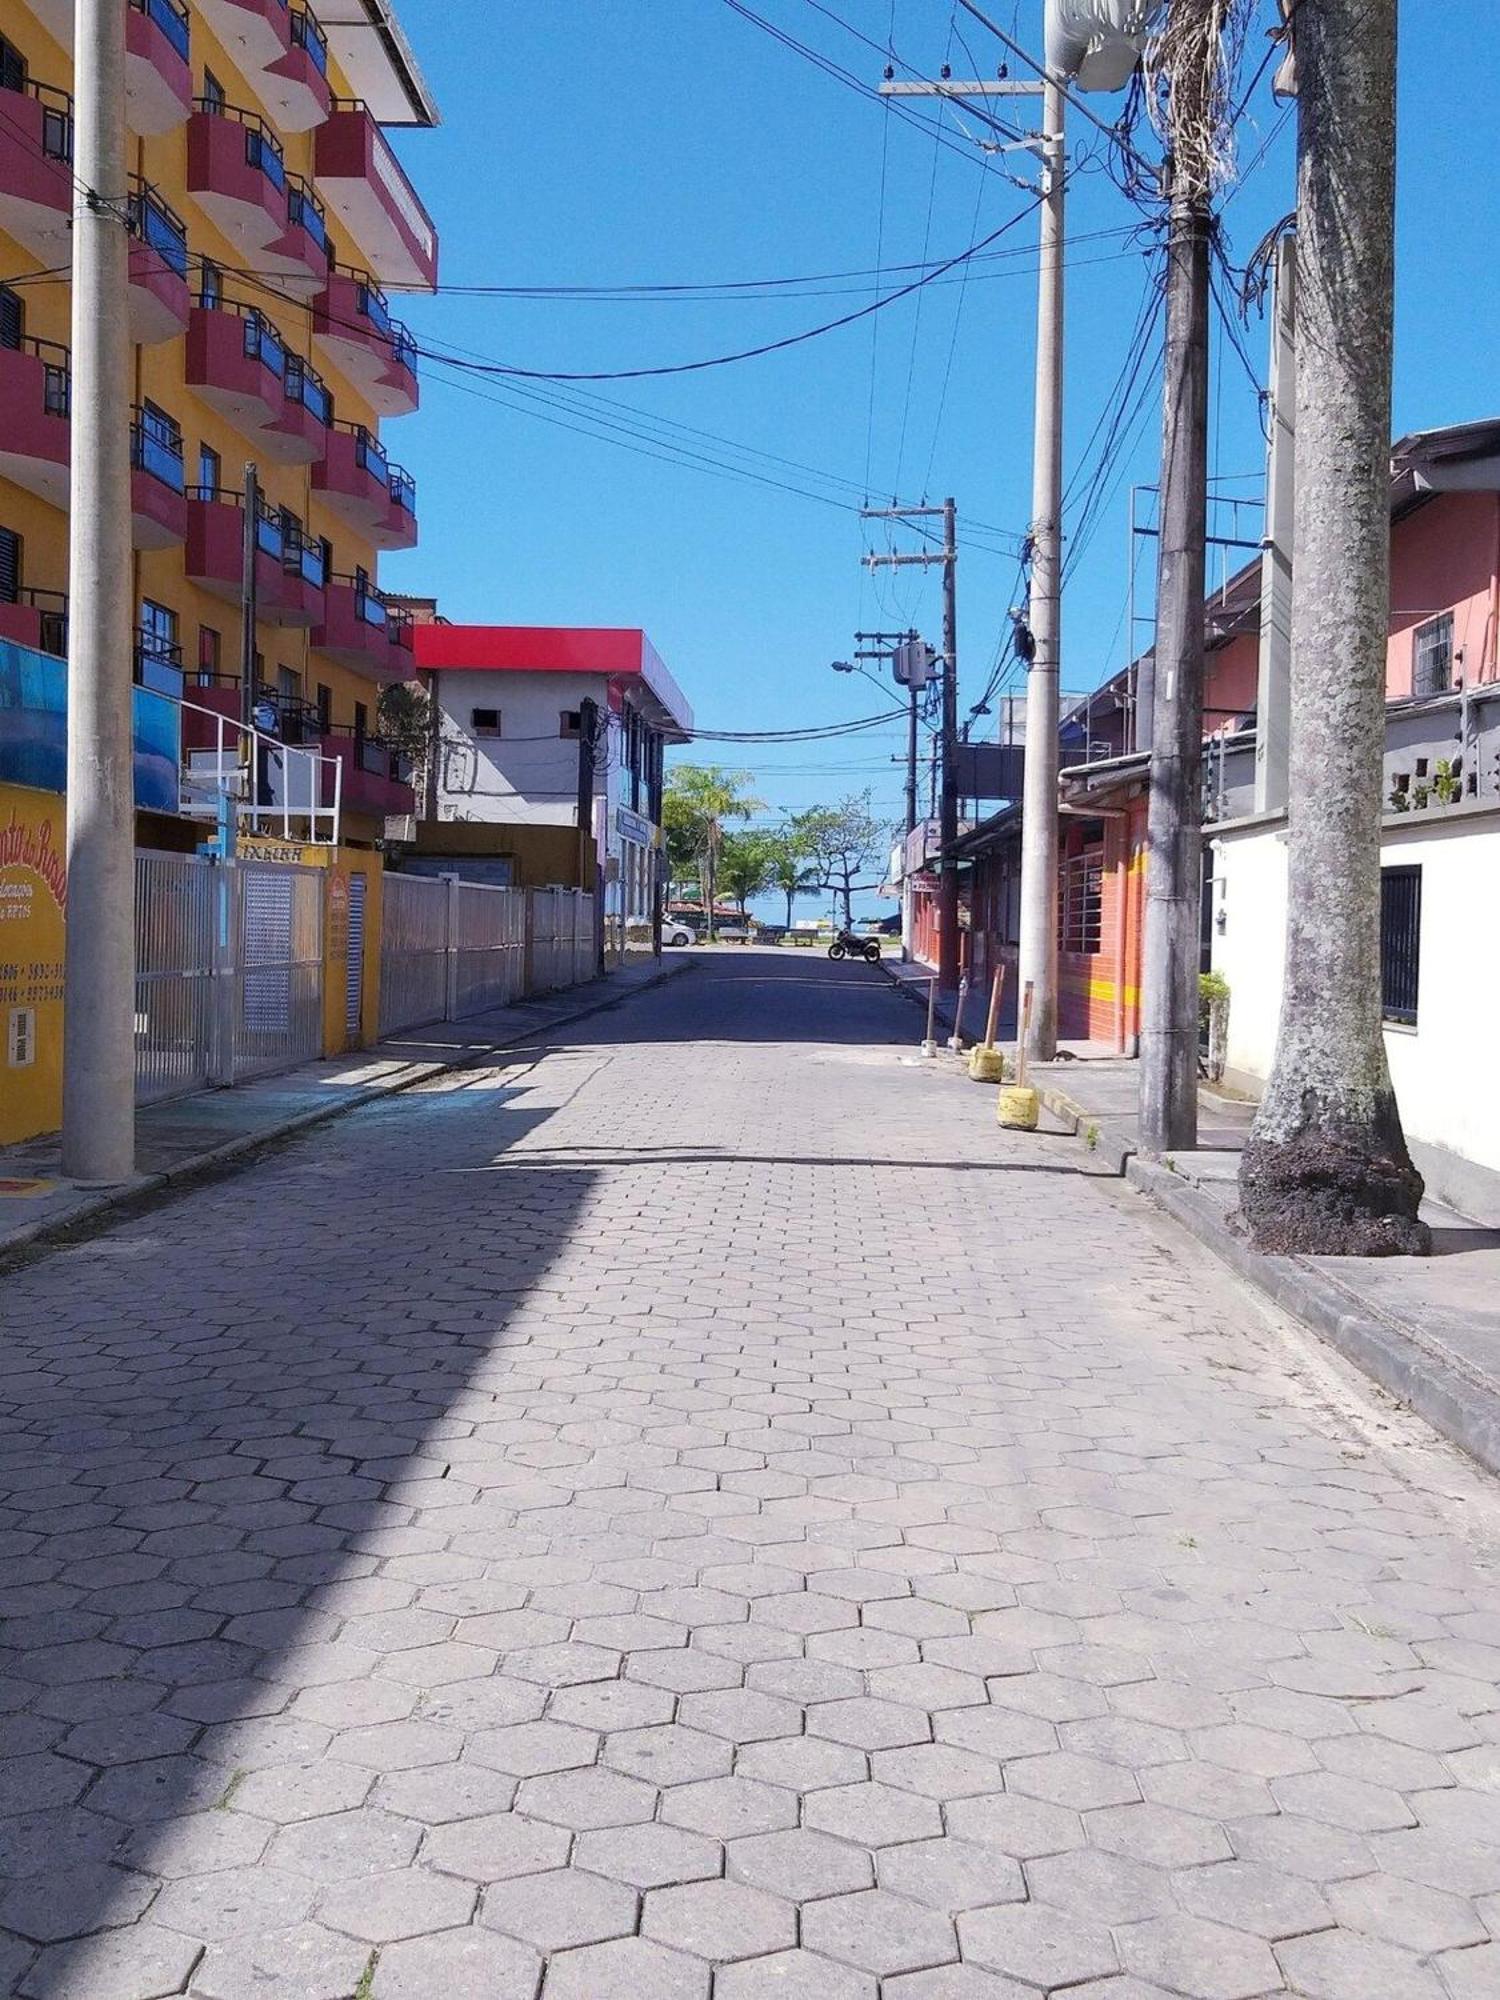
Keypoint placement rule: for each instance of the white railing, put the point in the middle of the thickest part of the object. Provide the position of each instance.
(287, 796)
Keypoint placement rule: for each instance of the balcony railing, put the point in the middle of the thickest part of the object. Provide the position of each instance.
(403, 489)
(158, 225)
(306, 386)
(304, 557)
(369, 454)
(308, 35)
(57, 379)
(156, 447)
(306, 212)
(262, 341)
(262, 147)
(171, 18)
(57, 118)
(51, 607)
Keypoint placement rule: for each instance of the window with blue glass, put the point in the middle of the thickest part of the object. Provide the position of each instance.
(158, 445)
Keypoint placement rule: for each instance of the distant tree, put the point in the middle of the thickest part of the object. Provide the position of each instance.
(744, 865)
(404, 714)
(790, 871)
(698, 799)
(843, 842)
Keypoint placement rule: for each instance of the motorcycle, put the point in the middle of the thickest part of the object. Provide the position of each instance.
(847, 945)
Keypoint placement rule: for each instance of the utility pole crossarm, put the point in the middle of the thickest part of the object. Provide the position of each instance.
(952, 87)
(895, 561)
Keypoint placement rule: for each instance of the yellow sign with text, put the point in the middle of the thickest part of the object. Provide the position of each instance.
(33, 910)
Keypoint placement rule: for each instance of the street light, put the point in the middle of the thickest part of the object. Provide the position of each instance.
(850, 667)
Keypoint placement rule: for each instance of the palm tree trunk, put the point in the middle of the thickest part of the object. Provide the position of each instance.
(1326, 1169)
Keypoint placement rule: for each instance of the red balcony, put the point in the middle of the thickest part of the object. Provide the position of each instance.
(158, 80)
(21, 624)
(236, 362)
(352, 324)
(257, 33)
(159, 298)
(158, 496)
(356, 629)
(35, 430)
(299, 435)
(236, 175)
(298, 259)
(353, 479)
(289, 570)
(36, 170)
(366, 186)
(295, 87)
(397, 527)
(371, 782)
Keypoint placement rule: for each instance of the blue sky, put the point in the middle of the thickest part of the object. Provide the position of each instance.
(671, 141)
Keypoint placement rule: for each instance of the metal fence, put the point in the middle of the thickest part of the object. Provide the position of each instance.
(229, 971)
(413, 952)
(563, 951)
(448, 949)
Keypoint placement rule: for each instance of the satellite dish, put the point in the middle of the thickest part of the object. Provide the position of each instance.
(1096, 44)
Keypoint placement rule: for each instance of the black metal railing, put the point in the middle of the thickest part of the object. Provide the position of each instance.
(369, 453)
(308, 34)
(158, 224)
(403, 490)
(305, 212)
(156, 447)
(171, 18)
(306, 386)
(262, 147)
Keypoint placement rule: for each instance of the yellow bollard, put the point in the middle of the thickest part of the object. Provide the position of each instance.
(986, 1064)
(1017, 1107)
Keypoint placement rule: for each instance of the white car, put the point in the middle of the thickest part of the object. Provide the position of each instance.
(675, 931)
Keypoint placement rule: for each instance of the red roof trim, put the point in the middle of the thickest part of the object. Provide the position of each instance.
(610, 650)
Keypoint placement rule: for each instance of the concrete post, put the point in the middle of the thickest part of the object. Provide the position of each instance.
(98, 1141)
(1273, 703)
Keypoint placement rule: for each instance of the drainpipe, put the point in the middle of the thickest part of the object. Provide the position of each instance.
(1120, 816)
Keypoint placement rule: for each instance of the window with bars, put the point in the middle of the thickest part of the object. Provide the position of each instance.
(1432, 656)
(1400, 943)
(10, 566)
(1080, 920)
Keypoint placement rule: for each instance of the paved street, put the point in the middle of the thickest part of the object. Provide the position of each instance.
(699, 1512)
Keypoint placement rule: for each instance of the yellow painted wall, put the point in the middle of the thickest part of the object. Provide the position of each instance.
(33, 900)
(159, 376)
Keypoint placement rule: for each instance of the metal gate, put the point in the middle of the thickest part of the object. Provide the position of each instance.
(229, 971)
(413, 952)
(279, 1020)
(354, 963)
(181, 906)
(562, 939)
(489, 948)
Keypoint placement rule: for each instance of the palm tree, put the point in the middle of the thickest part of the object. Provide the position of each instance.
(1326, 1168)
(789, 875)
(697, 800)
(744, 866)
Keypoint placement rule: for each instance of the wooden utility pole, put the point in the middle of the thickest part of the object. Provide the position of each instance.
(947, 555)
(1174, 862)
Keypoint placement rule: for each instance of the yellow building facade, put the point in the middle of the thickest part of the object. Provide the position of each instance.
(271, 224)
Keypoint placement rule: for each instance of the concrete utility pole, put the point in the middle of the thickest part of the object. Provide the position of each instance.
(948, 951)
(1174, 833)
(98, 1135)
(1274, 689)
(1038, 922)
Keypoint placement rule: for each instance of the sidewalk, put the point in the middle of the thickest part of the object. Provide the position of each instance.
(1426, 1329)
(188, 1138)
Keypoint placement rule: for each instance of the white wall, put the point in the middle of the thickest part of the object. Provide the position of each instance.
(530, 772)
(1446, 1078)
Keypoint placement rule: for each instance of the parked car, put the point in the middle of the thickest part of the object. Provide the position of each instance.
(676, 930)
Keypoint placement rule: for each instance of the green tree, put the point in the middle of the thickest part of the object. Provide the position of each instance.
(697, 800)
(744, 866)
(843, 842)
(789, 870)
(405, 716)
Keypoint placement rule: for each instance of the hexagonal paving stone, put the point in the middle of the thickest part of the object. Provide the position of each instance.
(950, 1875)
(740, 1714)
(874, 1815)
(668, 1754)
(287, 1792)
(67, 1902)
(588, 1798)
(1248, 1896)
(803, 1763)
(967, 1982)
(143, 1962)
(1023, 1828)
(1159, 1835)
(937, 1770)
(457, 1962)
(1407, 1913)
(1203, 1960)
(495, 1847)
(869, 1725)
(627, 1969)
(879, 1932)
(1042, 1947)
(342, 1845)
(235, 1900)
(1472, 1974)
(719, 1920)
(563, 1665)
(793, 1975)
(729, 1807)
(531, 1749)
(445, 1792)
(799, 1864)
(560, 1908)
(1333, 1965)
(1103, 1887)
(308, 1962)
(399, 1903)
(648, 1856)
(1068, 1779)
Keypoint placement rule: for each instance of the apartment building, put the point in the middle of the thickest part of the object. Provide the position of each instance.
(271, 222)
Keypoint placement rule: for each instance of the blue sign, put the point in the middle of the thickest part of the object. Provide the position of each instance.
(34, 730)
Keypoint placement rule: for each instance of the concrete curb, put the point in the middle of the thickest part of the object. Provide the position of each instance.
(20, 1245)
(1429, 1378)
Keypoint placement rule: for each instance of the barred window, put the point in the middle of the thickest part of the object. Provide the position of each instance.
(1400, 943)
(1081, 904)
